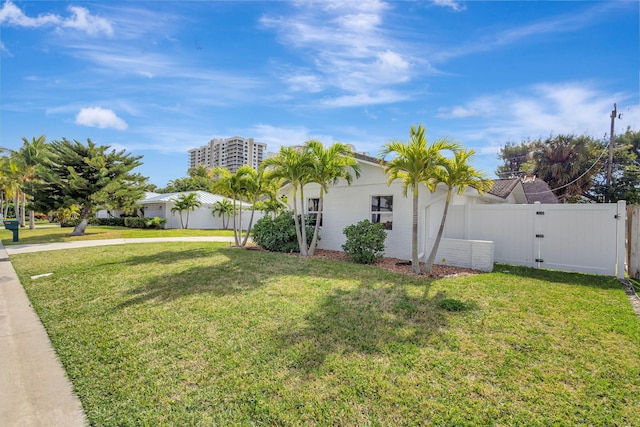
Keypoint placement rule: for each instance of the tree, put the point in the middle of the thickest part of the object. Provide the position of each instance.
(242, 185)
(414, 163)
(85, 175)
(186, 202)
(197, 179)
(28, 157)
(295, 166)
(514, 157)
(568, 163)
(11, 180)
(625, 172)
(455, 173)
(329, 165)
(223, 208)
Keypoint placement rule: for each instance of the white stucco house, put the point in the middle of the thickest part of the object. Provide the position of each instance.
(160, 205)
(369, 197)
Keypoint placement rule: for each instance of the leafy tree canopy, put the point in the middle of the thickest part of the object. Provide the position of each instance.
(88, 176)
(575, 166)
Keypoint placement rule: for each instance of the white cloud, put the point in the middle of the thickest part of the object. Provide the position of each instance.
(539, 111)
(80, 19)
(12, 15)
(369, 98)
(4, 49)
(348, 48)
(508, 36)
(450, 3)
(100, 118)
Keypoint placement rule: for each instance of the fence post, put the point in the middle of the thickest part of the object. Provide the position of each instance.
(621, 231)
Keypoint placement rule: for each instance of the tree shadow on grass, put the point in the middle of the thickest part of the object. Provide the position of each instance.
(365, 321)
(163, 258)
(215, 275)
(554, 276)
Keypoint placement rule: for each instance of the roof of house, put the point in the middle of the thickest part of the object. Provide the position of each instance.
(538, 190)
(204, 197)
(535, 190)
(503, 187)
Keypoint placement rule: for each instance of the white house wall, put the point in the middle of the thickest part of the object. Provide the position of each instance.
(346, 205)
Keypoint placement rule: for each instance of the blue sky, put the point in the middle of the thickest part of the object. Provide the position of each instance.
(158, 78)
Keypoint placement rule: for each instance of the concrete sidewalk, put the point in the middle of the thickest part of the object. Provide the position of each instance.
(39, 247)
(34, 389)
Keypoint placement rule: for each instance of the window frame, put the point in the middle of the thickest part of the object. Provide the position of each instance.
(377, 215)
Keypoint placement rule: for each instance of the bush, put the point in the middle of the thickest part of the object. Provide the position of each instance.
(365, 242)
(135, 222)
(114, 222)
(278, 234)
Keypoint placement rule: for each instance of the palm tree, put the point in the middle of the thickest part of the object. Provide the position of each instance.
(29, 156)
(256, 185)
(11, 182)
(223, 208)
(455, 173)
(415, 162)
(186, 202)
(239, 186)
(296, 167)
(329, 165)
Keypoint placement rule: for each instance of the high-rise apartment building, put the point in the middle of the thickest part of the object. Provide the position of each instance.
(230, 153)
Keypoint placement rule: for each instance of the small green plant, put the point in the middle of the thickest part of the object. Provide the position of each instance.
(365, 242)
(278, 234)
(452, 304)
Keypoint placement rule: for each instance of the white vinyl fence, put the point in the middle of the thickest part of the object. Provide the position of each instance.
(587, 238)
(633, 240)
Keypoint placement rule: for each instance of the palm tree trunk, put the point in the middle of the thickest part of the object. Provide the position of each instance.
(32, 220)
(246, 236)
(16, 205)
(304, 249)
(23, 210)
(432, 256)
(235, 235)
(295, 218)
(187, 226)
(415, 262)
(314, 240)
(239, 230)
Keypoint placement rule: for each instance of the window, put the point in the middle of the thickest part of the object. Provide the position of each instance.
(313, 205)
(382, 211)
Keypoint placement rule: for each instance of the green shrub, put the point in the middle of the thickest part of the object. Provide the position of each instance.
(113, 222)
(135, 222)
(69, 223)
(452, 304)
(278, 234)
(365, 242)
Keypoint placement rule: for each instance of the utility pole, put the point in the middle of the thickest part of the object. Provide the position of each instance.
(614, 114)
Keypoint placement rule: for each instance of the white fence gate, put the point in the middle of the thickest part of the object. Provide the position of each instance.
(585, 238)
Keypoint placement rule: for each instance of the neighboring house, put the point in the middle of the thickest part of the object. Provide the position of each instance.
(118, 213)
(160, 206)
(369, 197)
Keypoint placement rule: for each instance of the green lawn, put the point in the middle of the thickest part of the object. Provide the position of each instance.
(50, 234)
(202, 334)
